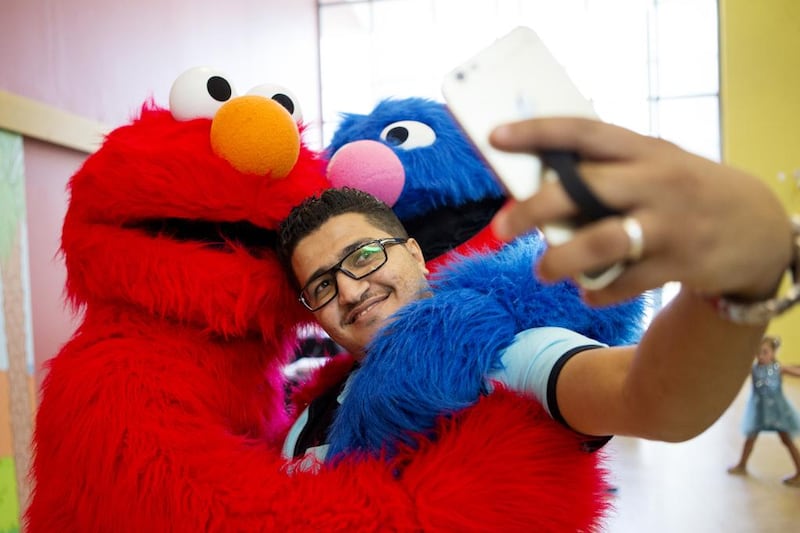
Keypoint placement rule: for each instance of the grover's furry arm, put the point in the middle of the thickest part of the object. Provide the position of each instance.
(432, 358)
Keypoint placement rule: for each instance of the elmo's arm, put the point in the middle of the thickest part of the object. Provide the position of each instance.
(171, 464)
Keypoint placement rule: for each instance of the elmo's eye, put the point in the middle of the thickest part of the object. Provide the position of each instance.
(408, 134)
(199, 93)
(282, 95)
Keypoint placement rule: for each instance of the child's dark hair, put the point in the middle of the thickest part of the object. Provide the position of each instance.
(314, 211)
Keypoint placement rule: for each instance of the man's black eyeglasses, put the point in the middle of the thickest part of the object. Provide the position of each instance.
(358, 264)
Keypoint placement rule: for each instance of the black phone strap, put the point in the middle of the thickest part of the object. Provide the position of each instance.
(565, 164)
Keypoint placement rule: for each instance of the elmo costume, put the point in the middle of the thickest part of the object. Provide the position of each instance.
(166, 412)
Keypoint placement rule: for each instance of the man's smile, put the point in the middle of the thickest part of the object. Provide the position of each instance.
(362, 309)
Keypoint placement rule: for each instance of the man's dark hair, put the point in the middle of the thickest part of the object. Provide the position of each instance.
(314, 211)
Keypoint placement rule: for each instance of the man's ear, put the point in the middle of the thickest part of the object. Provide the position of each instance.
(416, 252)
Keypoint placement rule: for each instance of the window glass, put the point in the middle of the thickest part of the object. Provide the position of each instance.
(648, 65)
(627, 56)
(345, 59)
(686, 48)
(691, 122)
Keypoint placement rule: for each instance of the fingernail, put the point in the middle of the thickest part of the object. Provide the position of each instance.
(499, 224)
(500, 133)
(498, 228)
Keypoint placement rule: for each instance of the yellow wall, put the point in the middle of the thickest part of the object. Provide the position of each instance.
(760, 100)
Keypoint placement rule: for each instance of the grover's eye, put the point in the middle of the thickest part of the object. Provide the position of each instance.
(282, 95)
(408, 134)
(199, 93)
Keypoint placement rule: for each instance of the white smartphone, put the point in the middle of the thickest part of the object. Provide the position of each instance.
(512, 79)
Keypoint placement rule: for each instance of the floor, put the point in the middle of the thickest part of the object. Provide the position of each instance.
(685, 487)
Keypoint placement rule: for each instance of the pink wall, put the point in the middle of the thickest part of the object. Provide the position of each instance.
(47, 169)
(101, 59)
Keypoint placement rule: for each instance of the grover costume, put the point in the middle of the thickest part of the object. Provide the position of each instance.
(166, 412)
(410, 154)
(435, 356)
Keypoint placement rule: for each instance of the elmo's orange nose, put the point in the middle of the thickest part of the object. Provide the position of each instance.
(256, 135)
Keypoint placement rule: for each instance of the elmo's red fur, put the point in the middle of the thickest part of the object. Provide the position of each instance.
(166, 410)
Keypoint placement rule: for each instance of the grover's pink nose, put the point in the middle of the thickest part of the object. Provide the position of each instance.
(370, 167)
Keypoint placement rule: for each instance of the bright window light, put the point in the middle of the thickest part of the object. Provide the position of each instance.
(648, 65)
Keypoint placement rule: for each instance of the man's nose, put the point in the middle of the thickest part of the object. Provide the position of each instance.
(350, 290)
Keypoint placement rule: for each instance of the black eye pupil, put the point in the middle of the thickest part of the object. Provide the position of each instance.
(285, 101)
(219, 89)
(397, 136)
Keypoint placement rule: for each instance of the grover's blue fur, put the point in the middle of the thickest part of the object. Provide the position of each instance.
(432, 358)
(447, 172)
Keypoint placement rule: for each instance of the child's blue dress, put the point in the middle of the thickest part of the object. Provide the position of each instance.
(767, 408)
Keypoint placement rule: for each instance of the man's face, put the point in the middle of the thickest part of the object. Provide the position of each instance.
(362, 306)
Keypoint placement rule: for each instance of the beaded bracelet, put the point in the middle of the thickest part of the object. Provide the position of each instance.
(760, 313)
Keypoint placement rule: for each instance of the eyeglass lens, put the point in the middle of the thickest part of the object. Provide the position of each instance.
(359, 263)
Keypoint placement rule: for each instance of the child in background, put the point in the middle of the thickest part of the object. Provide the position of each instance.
(768, 409)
